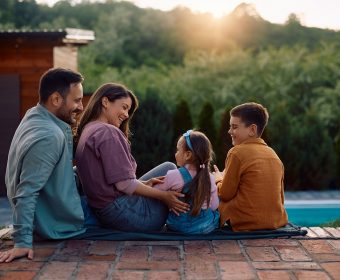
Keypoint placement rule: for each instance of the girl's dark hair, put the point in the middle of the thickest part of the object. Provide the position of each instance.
(94, 106)
(200, 186)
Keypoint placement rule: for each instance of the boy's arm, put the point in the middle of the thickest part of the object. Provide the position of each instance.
(214, 201)
(282, 186)
(229, 185)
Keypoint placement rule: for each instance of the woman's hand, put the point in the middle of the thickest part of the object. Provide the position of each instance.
(170, 198)
(8, 256)
(154, 181)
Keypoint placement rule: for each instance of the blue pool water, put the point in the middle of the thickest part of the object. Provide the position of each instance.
(312, 213)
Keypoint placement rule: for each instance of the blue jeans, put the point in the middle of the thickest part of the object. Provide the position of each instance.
(134, 212)
(204, 223)
(90, 219)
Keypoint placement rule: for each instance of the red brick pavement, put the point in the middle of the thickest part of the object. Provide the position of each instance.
(316, 256)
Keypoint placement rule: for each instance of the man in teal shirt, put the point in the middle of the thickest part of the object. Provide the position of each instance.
(39, 176)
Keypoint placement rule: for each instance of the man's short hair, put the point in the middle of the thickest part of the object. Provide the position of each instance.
(252, 113)
(57, 80)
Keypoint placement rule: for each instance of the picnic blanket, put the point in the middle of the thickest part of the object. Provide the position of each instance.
(96, 233)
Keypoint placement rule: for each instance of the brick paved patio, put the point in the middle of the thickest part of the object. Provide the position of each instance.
(316, 256)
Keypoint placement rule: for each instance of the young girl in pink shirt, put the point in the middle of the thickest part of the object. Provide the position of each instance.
(193, 156)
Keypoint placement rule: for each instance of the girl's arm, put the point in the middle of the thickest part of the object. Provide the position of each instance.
(172, 181)
(154, 181)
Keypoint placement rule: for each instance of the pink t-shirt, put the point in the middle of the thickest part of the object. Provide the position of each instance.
(174, 182)
(103, 159)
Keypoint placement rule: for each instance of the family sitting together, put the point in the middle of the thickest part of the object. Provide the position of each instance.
(247, 195)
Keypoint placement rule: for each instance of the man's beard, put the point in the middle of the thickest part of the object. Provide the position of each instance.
(66, 115)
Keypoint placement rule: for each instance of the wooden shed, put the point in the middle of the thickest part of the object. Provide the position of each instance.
(24, 56)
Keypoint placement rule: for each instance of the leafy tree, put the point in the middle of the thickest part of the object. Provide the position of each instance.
(25, 13)
(128, 36)
(152, 134)
(327, 105)
(6, 11)
(224, 143)
(206, 122)
(181, 120)
(179, 55)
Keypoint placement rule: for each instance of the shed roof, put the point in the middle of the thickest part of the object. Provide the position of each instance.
(67, 35)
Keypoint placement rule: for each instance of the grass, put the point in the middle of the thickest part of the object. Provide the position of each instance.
(335, 223)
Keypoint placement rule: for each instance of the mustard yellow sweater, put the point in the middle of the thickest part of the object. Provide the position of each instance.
(251, 192)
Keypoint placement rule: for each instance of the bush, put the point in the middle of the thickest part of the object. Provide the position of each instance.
(335, 223)
(152, 134)
(181, 120)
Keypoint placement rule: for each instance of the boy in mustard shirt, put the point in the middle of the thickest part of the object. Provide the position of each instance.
(251, 185)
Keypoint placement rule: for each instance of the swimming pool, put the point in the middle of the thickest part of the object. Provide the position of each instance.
(312, 212)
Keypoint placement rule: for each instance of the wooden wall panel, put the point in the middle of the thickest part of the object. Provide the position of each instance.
(32, 42)
(27, 103)
(86, 99)
(29, 91)
(9, 119)
(32, 77)
(22, 70)
(31, 64)
(30, 58)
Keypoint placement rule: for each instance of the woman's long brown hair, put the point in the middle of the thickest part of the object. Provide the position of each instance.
(200, 186)
(94, 106)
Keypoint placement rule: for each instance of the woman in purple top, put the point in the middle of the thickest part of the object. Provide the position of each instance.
(107, 170)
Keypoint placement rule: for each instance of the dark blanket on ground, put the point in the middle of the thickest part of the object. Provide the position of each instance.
(96, 233)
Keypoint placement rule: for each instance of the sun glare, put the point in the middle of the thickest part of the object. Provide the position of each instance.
(215, 11)
(217, 8)
(310, 12)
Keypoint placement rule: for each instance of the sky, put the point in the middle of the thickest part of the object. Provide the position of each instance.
(313, 13)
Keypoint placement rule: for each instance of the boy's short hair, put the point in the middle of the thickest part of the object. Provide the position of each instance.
(252, 113)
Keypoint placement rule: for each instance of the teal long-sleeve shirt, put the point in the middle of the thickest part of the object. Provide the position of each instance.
(40, 182)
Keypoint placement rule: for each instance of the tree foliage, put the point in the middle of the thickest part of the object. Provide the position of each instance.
(182, 120)
(152, 134)
(206, 122)
(223, 141)
(178, 61)
(300, 90)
